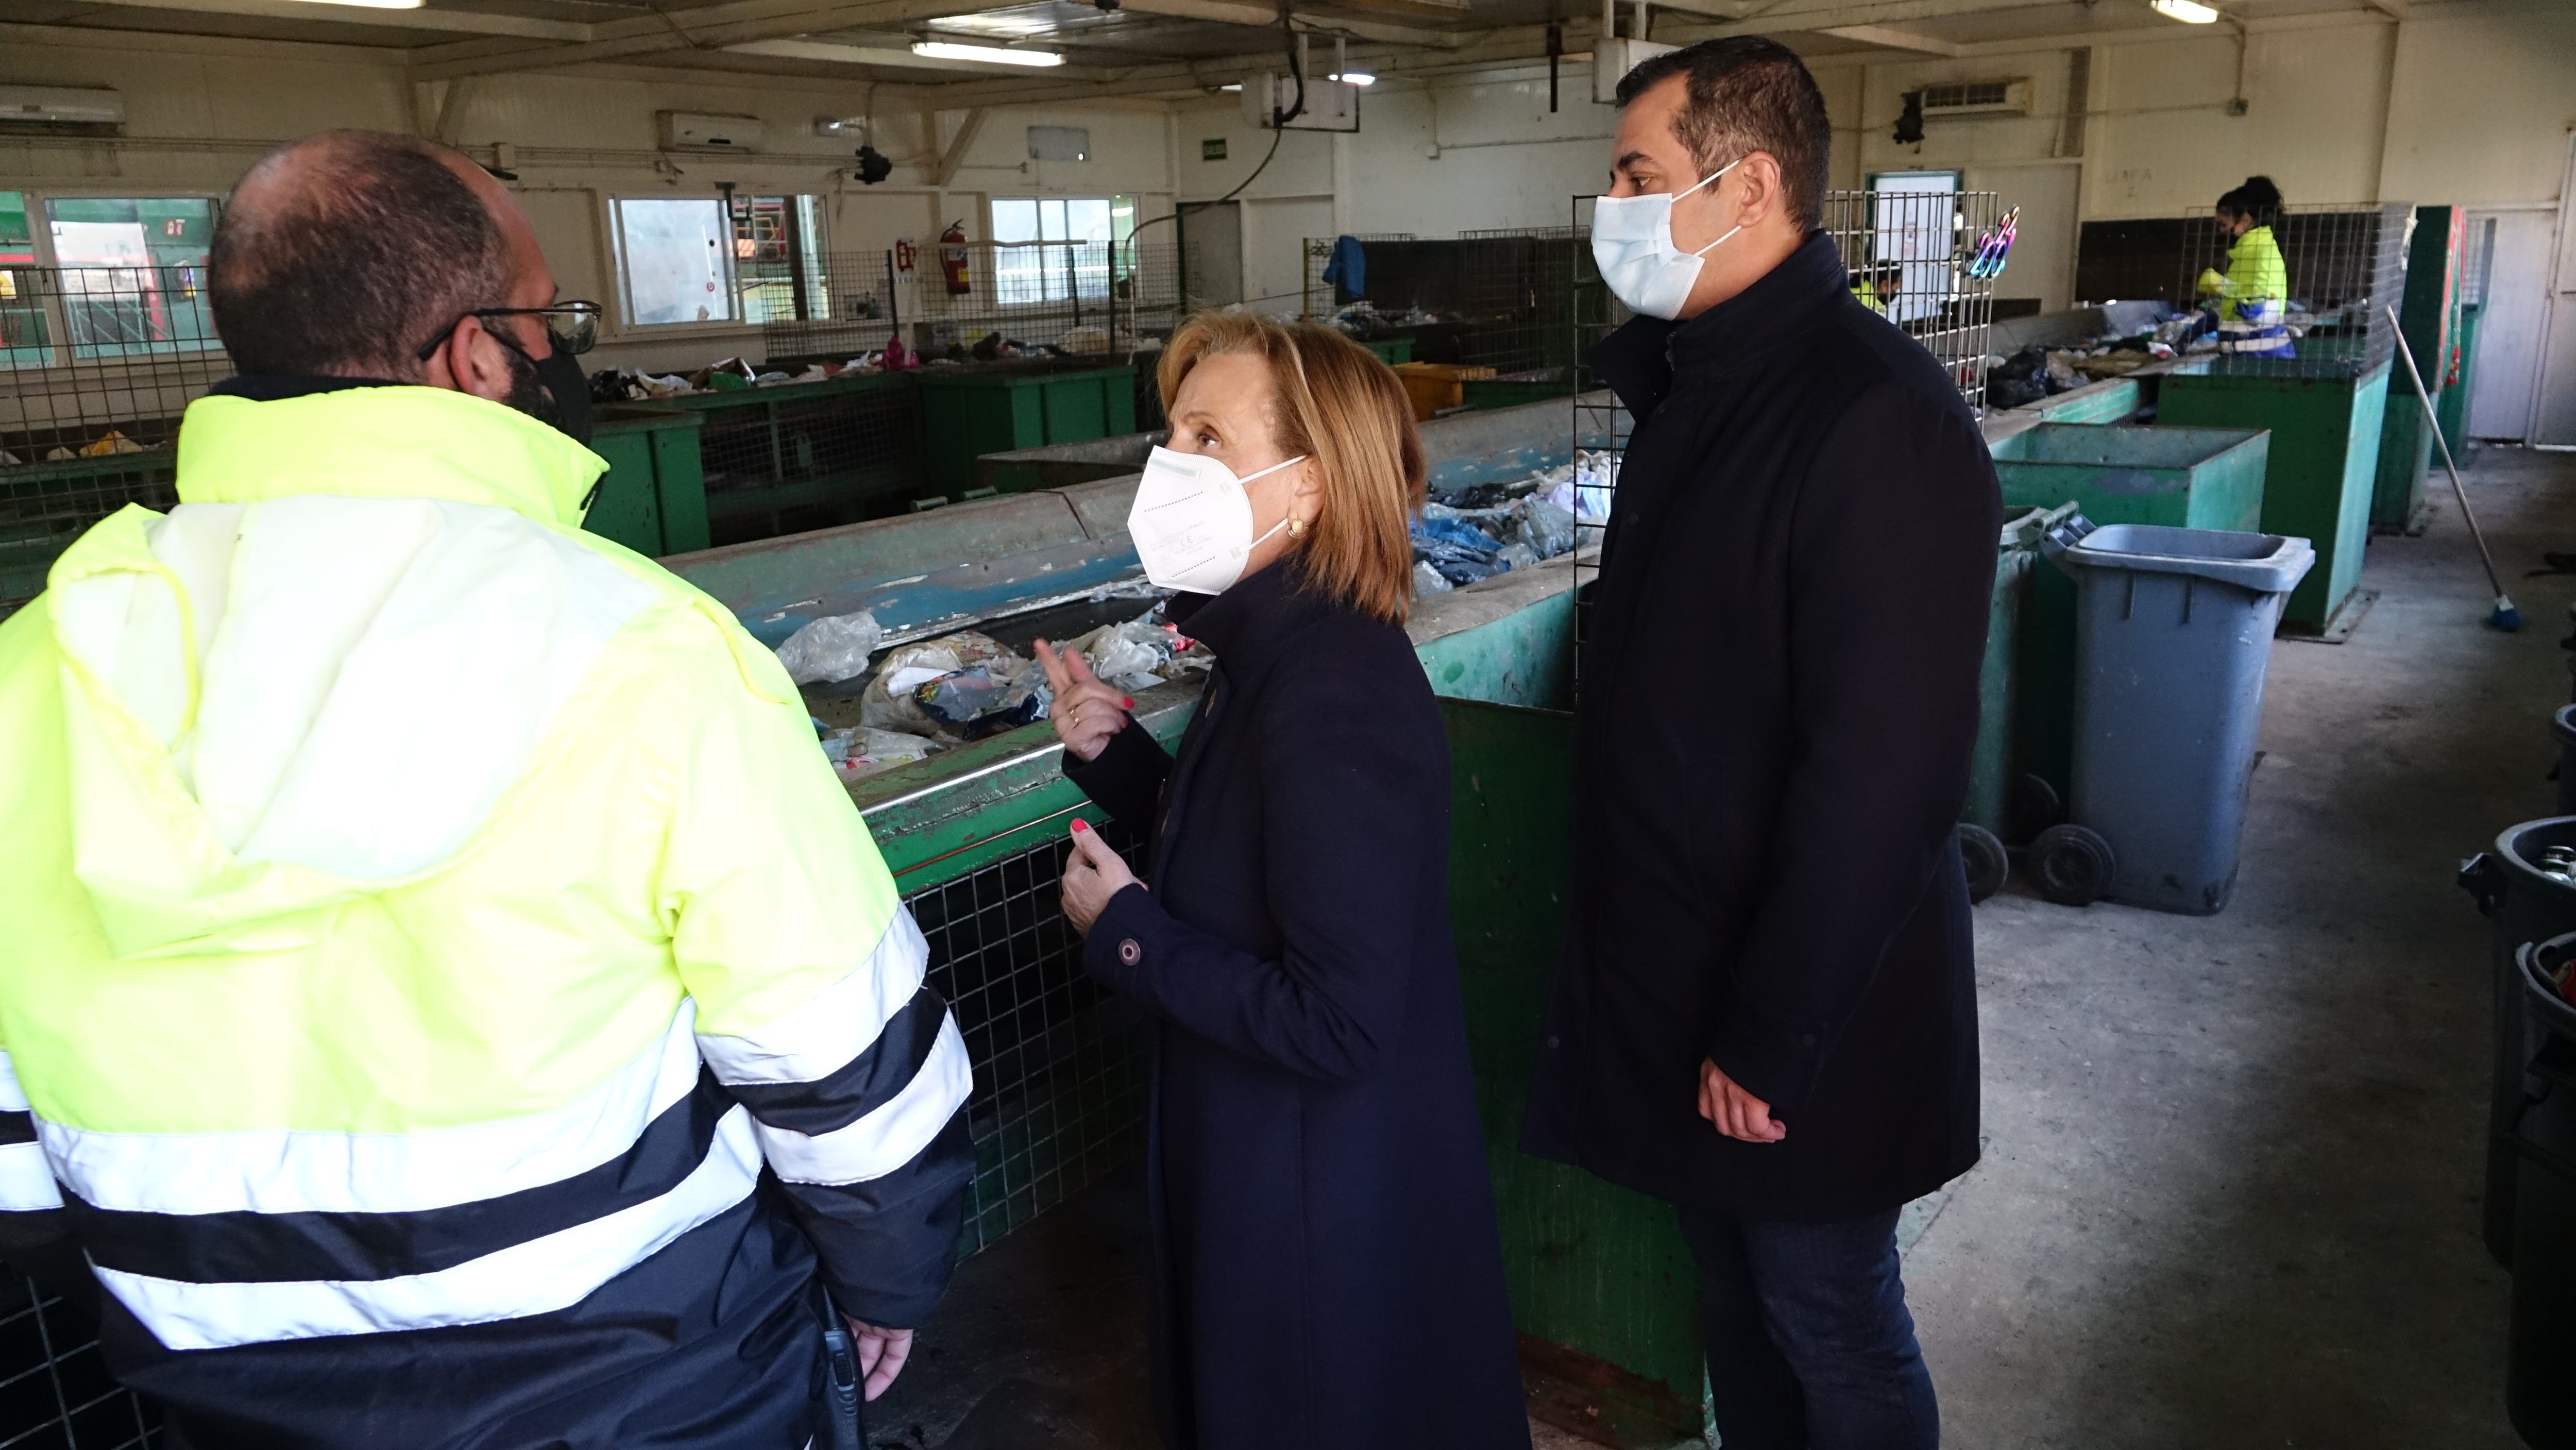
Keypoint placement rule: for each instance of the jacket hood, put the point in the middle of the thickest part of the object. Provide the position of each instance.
(320, 674)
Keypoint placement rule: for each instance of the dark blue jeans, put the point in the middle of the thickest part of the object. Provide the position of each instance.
(1809, 1345)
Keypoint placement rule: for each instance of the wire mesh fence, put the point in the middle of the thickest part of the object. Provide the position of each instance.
(1082, 298)
(96, 365)
(1499, 299)
(55, 1390)
(2345, 264)
(1059, 1064)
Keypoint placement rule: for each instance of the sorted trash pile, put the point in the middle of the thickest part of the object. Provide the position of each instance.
(936, 694)
(1484, 529)
(1362, 318)
(2038, 372)
(733, 374)
(106, 445)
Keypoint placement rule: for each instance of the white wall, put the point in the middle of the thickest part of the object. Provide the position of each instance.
(2471, 104)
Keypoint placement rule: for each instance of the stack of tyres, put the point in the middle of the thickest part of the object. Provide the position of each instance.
(2529, 900)
(2564, 726)
(2173, 640)
(2539, 1389)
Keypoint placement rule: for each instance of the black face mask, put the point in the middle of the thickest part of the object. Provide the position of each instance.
(552, 389)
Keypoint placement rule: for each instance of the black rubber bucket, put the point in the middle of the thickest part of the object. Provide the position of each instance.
(2540, 1346)
(2524, 906)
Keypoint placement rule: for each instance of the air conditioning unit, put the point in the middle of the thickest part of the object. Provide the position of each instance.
(689, 131)
(1977, 98)
(1330, 105)
(60, 106)
(1613, 58)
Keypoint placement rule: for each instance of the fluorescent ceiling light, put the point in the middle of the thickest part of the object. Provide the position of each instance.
(372, 4)
(1355, 77)
(1238, 85)
(2189, 12)
(990, 54)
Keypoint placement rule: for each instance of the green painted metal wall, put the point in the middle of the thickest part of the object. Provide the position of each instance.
(2426, 317)
(654, 496)
(2198, 478)
(2324, 462)
(1595, 1270)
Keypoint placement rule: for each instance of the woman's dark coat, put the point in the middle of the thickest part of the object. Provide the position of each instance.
(1778, 703)
(1328, 1271)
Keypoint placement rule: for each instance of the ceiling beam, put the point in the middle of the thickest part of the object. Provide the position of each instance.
(2393, 9)
(955, 155)
(1800, 15)
(459, 22)
(1240, 12)
(713, 27)
(1881, 35)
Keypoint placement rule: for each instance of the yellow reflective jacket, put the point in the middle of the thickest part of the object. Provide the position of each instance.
(423, 914)
(2257, 285)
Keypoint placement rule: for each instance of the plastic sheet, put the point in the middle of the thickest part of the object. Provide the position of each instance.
(835, 647)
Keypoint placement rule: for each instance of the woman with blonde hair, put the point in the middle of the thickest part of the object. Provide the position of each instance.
(1326, 1266)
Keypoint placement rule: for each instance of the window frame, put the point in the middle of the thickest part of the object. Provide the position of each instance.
(63, 348)
(1107, 274)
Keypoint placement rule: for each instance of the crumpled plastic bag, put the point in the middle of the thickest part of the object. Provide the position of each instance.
(859, 752)
(835, 647)
(1544, 528)
(1140, 653)
(888, 702)
(1427, 581)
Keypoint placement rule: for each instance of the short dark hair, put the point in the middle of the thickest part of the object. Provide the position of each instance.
(340, 254)
(1748, 93)
(2257, 198)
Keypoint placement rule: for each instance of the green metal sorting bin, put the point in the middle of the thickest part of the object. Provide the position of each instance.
(1510, 390)
(797, 456)
(2425, 319)
(2324, 417)
(654, 496)
(2191, 478)
(1391, 350)
(1997, 757)
(970, 412)
(2459, 379)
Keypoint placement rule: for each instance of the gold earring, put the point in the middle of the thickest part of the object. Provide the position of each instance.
(1296, 528)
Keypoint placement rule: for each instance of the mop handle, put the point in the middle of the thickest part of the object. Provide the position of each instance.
(2433, 421)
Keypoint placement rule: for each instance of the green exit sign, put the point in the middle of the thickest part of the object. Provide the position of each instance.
(1212, 149)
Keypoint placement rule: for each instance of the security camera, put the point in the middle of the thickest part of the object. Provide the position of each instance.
(873, 166)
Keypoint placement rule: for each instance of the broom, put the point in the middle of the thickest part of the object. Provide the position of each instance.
(2503, 616)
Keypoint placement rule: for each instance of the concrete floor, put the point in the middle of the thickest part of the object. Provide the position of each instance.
(2230, 1192)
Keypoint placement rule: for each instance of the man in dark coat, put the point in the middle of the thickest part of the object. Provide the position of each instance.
(1766, 1011)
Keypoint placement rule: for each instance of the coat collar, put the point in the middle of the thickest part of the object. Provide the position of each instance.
(383, 442)
(1640, 360)
(1247, 623)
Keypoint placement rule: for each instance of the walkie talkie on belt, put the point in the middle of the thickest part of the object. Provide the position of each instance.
(847, 1395)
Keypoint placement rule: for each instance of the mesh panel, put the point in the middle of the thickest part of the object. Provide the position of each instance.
(54, 1390)
(1501, 299)
(1086, 298)
(1059, 1065)
(96, 365)
(2346, 264)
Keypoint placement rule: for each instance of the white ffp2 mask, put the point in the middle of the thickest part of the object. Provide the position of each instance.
(1192, 521)
(1632, 241)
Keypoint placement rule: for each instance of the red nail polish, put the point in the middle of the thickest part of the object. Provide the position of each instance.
(1078, 825)
(1127, 702)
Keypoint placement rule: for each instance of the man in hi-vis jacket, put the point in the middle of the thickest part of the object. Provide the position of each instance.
(447, 999)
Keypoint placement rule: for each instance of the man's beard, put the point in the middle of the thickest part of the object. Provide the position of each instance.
(528, 394)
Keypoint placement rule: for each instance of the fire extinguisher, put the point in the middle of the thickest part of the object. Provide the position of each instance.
(952, 259)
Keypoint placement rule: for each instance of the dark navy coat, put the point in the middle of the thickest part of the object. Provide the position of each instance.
(1328, 1275)
(1779, 698)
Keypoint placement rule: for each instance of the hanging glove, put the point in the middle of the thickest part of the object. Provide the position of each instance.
(2211, 283)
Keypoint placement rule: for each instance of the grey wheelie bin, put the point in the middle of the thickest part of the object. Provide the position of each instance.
(2173, 637)
(2540, 1337)
(2526, 886)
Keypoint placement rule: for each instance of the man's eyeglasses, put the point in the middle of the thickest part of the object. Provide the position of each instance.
(572, 326)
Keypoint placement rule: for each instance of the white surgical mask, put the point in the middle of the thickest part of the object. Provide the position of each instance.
(1632, 240)
(1192, 521)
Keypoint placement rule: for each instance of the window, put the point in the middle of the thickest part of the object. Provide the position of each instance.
(684, 260)
(126, 278)
(1057, 248)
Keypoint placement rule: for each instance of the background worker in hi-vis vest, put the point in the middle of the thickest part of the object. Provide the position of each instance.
(447, 999)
